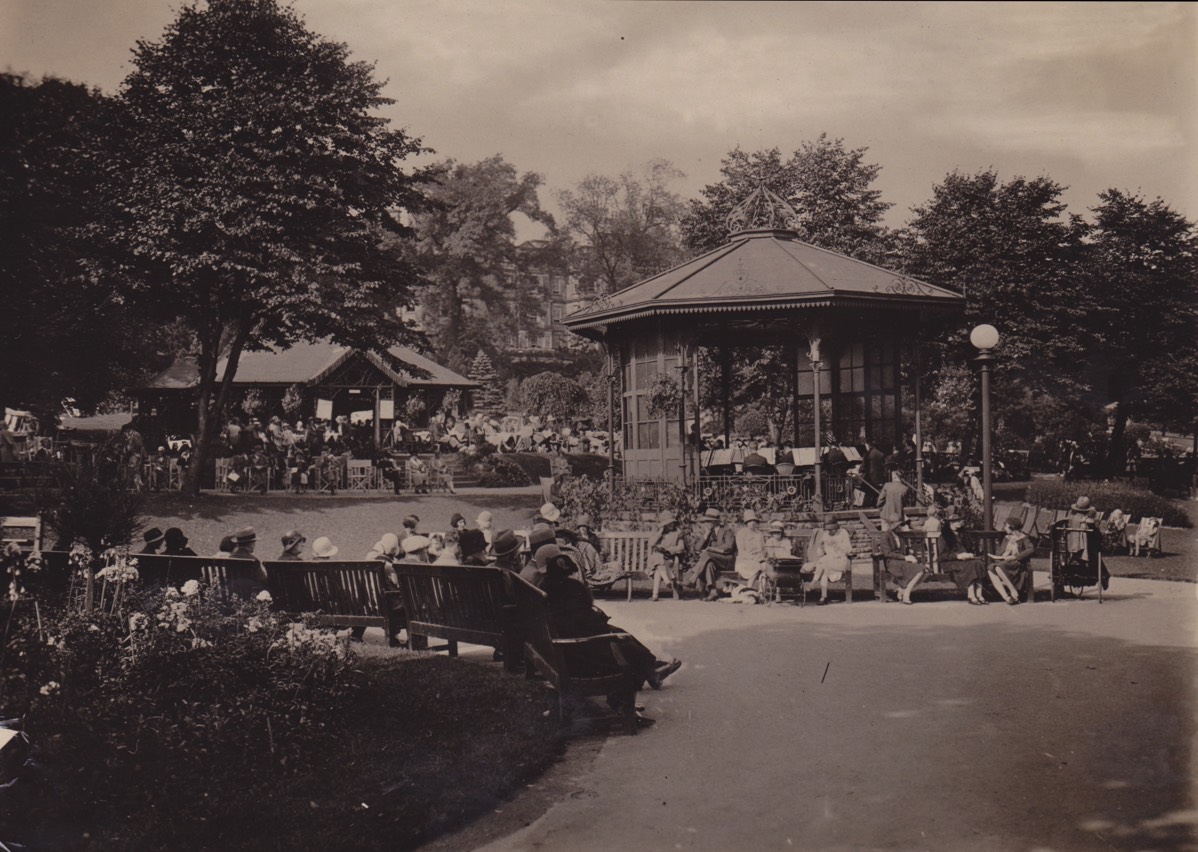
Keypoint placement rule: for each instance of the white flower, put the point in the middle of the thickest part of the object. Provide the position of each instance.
(171, 593)
(190, 588)
(50, 688)
(253, 625)
(264, 596)
(93, 628)
(200, 643)
(137, 621)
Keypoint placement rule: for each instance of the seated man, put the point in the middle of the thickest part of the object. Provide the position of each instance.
(573, 614)
(756, 463)
(830, 557)
(716, 545)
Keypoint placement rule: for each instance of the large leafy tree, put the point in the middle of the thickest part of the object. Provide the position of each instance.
(1018, 257)
(1144, 322)
(829, 186)
(258, 191)
(467, 248)
(626, 227)
(64, 333)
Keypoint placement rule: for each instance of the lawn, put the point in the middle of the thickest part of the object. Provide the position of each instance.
(354, 523)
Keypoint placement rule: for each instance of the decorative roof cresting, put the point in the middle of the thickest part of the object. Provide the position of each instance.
(762, 209)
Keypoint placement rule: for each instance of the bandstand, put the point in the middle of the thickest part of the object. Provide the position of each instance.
(847, 329)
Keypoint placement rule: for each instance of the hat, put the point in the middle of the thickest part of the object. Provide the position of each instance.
(291, 538)
(414, 544)
(227, 544)
(457, 516)
(411, 521)
(582, 520)
(389, 544)
(777, 526)
(541, 534)
(711, 515)
(550, 513)
(749, 515)
(153, 535)
(505, 542)
(245, 535)
(471, 542)
(549, 551)
(324, 548)
(830, 522)
(175, 538)
(1082, 504)
(483, 516)
(665, 517)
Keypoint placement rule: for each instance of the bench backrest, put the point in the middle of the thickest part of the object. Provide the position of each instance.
(466, 601)
(630, 548)
(156, 569)
(328, 587)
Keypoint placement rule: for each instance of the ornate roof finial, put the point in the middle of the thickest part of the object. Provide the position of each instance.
(762, 209)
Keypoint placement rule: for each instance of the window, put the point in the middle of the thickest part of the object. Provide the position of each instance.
(558, 312)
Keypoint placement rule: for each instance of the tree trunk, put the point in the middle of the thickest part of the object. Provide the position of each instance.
(211, 413)
(1115, 455)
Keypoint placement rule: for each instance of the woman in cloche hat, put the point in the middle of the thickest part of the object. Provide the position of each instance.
(665, 547)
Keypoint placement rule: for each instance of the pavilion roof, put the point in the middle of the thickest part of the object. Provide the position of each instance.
(309, 363)
(759, 270)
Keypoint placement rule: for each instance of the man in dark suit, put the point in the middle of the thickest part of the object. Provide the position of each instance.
(716, 546)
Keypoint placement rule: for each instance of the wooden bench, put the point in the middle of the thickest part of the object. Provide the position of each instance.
(25, 532)
(557, 660)
(629, 549)
(461, 603)
(338, 594)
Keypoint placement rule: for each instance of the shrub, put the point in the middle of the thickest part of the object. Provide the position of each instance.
(1106, 497)
(498, 471)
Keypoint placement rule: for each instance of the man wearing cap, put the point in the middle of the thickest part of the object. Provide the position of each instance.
(830, 557)
(716, 546)
(293, 544)
(154, 539)
(415, 549)
(542, 535)
(665, 547)
(548, 514)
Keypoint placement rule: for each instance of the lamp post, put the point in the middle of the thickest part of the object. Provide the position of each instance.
(985, 338)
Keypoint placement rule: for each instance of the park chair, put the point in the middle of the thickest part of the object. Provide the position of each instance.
(626, 554)
(1146, 537)
(1076, 561)
(359, 475)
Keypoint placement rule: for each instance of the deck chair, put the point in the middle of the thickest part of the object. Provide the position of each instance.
(359, 475)
(1146, 538)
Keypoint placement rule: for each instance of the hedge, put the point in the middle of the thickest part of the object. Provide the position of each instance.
(1106, 497)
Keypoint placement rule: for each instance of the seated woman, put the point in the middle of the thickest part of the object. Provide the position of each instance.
(968, 571)
(665, 548)
(830, 557)
(903, 568)
(417, 472)
(573, 614)
(1009, 567)
(750, 550)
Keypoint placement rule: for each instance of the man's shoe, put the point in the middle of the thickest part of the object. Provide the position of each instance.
(644, 721)
(822, 602)
(712, 595)
(663, 671)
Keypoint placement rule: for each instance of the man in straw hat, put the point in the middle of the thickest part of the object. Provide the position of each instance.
(665, 547)
(716, 545)
(153, 538)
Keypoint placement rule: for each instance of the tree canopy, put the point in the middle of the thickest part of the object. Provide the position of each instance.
(828, 185)
(256, 189)
(626, 227)
(65, 333)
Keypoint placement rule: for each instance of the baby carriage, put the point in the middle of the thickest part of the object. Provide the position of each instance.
(1076, 562)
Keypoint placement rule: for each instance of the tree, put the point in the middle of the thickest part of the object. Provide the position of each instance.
(257, 189)
(1145, 321)
(489, 397)
(64, 334)
(553, 395)
(467, 249)
(1018, 258)
(828, 186)
(626, 227)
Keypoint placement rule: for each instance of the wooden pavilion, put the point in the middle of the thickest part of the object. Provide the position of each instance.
(843, 323)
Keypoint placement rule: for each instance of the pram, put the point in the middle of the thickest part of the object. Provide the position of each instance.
(1077, 561)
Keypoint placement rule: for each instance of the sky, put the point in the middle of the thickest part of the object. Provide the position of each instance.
(1092, 95)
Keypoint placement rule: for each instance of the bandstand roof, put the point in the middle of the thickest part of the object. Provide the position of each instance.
(764, 269)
